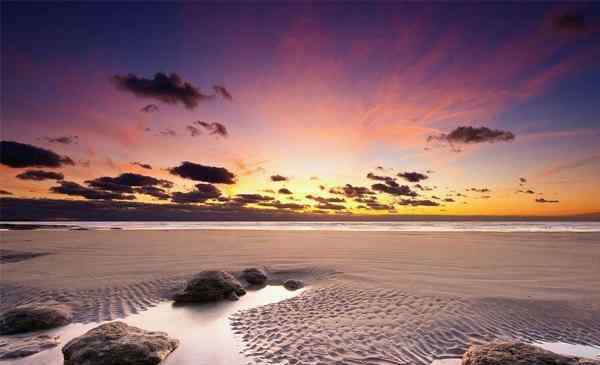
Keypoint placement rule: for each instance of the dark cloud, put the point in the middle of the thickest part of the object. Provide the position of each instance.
(39, 175)
(542, 200)
(197, 172)
(388, 180)
(244, 199)
(124, 183)
(324, 200)
(375, 205)
(400, 190)
(570, 22)
(142, 165)
(213, 128)
(101, 210)
(4, 192)
(528, 191)
(285, 191)
(170, 89)
(329, 206)
(107, 184)
(413, 176)
(278, 178)
(168, 132)
(62, 139)
(351, 191)
(150, 108)
(472, 135)
(366, 199)
(222, 92)
(74, 189)
(423, 188)
(418, 203)
(153, 191)
(479, 190)
(522, 180)
(202, 193)
(279, 205)
(194, 132)
(449, 200)
(18, 155)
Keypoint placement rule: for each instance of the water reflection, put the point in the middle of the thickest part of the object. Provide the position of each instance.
(203, 330)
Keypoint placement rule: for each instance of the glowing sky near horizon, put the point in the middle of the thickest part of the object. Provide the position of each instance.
(322, 94)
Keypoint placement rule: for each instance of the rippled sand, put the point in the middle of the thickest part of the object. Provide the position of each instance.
(375, 297)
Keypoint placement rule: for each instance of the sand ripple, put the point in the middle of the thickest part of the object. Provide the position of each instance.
(342, 325)
(96, 305)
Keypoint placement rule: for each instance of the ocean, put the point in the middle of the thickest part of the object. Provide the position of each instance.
(416, 226)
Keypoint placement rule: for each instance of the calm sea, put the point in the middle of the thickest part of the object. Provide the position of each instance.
(343, 226)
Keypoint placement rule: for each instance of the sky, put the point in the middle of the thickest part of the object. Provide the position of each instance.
(299, 109)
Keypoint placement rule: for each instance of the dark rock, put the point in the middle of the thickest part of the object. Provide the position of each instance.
(514, 353)
(255, 276)
(33, 318)
(116, 343)
(16, 347)
(210, 286)
(292, 284)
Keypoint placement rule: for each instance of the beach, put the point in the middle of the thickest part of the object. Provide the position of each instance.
(371, 297)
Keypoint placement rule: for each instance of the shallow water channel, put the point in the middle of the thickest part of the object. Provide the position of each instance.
(204, 331)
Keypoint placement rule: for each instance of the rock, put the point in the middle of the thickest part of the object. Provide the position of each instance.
(255, 276)
(116, 343)
(16, 347)
(292, 284)
(33, 318)
(210, 286)
(514, 353)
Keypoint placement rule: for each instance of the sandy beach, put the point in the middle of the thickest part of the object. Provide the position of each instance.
(372, 297)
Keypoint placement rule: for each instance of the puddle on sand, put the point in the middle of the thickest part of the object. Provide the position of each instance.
(562, 348)
(203, 330)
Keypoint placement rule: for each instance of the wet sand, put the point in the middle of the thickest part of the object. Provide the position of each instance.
(375, 297)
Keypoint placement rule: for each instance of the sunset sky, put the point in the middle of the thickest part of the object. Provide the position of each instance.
(300, 109)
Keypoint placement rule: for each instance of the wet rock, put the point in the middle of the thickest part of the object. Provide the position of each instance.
(292, 284)
(33, 318)
(255, 276)
(210, 286)
(514, 353)
(16, 347)
(116, 343)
